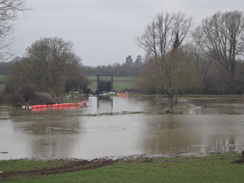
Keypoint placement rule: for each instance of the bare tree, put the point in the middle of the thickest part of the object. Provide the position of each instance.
(9, 10)
(170, 68)
(221, 37)
(164, 33)
(202, 61)
(175, 73)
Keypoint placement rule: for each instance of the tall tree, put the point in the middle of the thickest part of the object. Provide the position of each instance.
(9, 10)
(49, 65)
(170, 68)
(202, 61)
(164, 33)
(221, 37)
(176, 73)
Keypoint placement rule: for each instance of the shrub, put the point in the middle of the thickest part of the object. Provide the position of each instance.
(42, 98)
(15, 99)
(28, 93)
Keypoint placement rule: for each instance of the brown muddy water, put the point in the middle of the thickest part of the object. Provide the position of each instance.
(115, 127)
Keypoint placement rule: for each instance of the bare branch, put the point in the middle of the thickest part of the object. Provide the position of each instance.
(221, 38)
(9, 10)
(164, 33)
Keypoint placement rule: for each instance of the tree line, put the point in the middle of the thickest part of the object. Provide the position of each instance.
(133, 69)
(49, 70)
(179, 58)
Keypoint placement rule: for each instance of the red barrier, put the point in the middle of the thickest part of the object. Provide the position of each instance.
(84, 103)
(38, 106)
(122, 95)
(58, 106)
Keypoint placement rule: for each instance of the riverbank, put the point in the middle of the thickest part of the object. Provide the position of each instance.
(213, 168)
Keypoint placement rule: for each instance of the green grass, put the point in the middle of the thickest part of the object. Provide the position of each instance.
(116, 78)
(4, 107)
(120, 83)
(16, 165)
(213, 168)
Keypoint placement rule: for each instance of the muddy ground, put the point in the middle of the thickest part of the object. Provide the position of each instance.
(70, 166)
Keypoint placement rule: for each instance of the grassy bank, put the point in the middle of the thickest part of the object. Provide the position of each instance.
(5, 107)
(213, 168)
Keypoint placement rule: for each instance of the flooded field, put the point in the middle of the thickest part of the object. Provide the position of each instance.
(115, 127)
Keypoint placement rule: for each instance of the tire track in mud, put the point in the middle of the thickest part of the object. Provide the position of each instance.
(71, 166)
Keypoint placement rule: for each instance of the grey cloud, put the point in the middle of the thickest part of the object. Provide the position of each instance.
(103, 31)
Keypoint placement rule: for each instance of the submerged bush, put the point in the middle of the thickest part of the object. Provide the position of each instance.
(42, 98)
(28, 93)
(15, 99)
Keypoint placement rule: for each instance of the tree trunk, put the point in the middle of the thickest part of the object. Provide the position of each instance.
(72, 93)
(171, 103)
(176, 99)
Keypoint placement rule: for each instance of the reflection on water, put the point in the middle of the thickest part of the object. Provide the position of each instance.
(101, 105)
(196, 133)
(219, 106)
(210, 126)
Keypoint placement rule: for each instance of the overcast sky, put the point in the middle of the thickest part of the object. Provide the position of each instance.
(103, 31)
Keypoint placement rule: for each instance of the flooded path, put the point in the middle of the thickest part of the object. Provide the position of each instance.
(115, 127)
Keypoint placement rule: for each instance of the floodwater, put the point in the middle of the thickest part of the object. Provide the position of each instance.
(115, 127)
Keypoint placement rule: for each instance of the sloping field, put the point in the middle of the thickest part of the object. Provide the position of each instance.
(120, 83)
